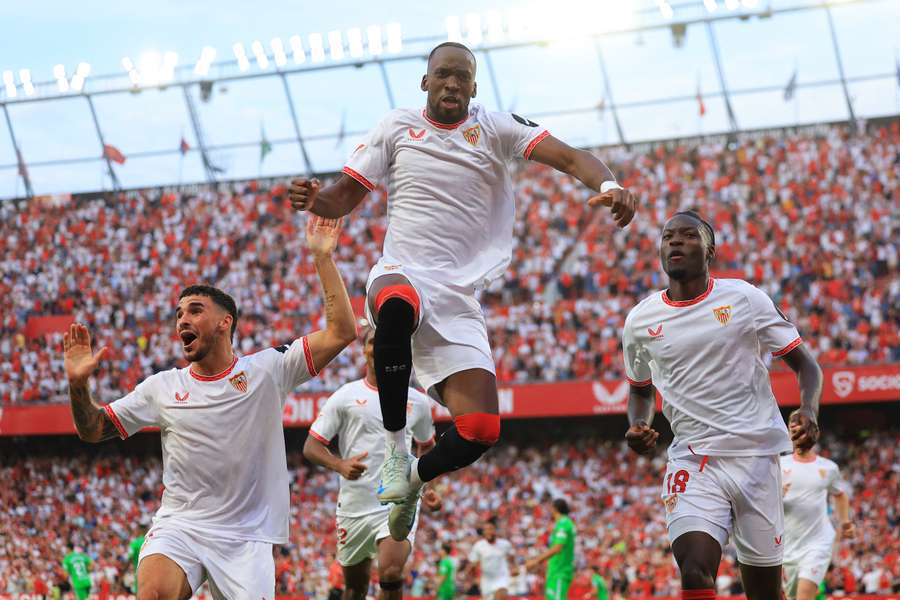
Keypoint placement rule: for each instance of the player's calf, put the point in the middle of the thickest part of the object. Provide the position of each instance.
(471, 436)
(396, 307)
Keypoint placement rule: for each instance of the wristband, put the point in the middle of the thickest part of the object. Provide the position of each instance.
(607, 186)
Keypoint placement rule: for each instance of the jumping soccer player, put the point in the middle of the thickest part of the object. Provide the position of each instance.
(225, 473)
(495, 557)
(353, 415)
(450, 222)
(808, 480)
(560, 556)
(702, 343)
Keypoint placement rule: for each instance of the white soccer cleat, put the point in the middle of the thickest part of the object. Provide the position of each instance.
(402, 517)
(394, 485)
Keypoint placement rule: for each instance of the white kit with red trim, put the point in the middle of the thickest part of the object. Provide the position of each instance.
(707, 359)
(450, 195)
(224, 465)
(353, 414)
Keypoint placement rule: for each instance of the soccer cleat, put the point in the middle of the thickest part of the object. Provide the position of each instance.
(394, 485)
(402, 517)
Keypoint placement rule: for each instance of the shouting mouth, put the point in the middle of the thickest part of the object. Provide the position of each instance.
(188, 340)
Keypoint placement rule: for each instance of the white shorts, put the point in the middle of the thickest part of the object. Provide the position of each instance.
(489, 588)
(358, 537)
(236, 569)
(812, 566)
(721, 495)
(451, 335)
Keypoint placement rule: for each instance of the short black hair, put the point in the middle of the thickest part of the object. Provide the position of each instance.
(452, 45)
(220, 298)
(561, 506)
(703, 223)
(447, 548)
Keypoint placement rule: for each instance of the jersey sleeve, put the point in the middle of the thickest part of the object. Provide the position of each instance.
(776, 334)
(637, 368)
(327, 424)
(423, 426)
(293, 364)
(518, 135)
(475, 554)
(836, 483)
(369, 162)
(134, 411)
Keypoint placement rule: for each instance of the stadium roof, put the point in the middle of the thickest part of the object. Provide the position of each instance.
(594, 73)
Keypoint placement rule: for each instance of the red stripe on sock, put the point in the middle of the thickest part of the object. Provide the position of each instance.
(707, 594)
(403, 291)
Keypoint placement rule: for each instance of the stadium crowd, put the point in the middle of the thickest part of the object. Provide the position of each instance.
(809, 216)
(101, 502)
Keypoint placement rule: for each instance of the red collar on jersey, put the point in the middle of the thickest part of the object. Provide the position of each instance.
(803, 459)
(692, 301)
(215, 377)
(369, 385)
(442, 125)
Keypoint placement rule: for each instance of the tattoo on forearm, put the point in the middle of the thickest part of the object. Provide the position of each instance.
(329, 307)
(91, 421)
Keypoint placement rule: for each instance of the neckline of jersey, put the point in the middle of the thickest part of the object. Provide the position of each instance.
(440, 125)
(804, 460)
(369, 385)
(692, 301)
(215, 377)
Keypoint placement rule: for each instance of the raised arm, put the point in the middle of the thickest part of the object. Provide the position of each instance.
(340, 322)
(803, 422)
(641, 409)
(91, 421)
(592, 172)
(332, 202)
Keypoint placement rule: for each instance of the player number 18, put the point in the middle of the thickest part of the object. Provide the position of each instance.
(678, 483)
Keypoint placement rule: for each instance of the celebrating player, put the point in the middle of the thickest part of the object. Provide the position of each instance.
(560, 556)
(494, 556)
(450, 222)
(353, 415)
(225, 473)
(808, 479)
(702, 344)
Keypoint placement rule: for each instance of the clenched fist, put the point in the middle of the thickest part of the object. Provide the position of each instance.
(303, 192)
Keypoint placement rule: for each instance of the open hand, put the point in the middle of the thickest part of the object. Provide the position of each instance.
(79, 359)
(322, 235)
(620, 202)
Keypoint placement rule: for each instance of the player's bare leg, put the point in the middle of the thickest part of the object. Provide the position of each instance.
(806, 589)
(471, 397)
(394, 304)
(698, 555)
(761, 583)
(161, 578)
(392, 557)
(356, 580)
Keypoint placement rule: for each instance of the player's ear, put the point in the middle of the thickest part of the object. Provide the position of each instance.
(474, 89)
(424, 85)
(710, 254)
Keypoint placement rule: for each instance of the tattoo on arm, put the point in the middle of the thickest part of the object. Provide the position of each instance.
(91, 421)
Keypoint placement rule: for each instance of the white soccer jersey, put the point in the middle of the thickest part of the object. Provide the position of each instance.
(494, 561)
(806, 488)
(353, 413)
(224, 466)
(706, 358)
(450, 194)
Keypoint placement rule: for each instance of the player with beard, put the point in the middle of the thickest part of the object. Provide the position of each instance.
(495, 558)
(451, 212)
(703, 343)
(226, 498)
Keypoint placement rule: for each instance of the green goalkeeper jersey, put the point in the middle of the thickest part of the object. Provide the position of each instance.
(77, 565)
(134, 551)
(562, 564)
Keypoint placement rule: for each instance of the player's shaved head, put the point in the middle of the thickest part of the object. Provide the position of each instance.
(450, 83)
(456, 45)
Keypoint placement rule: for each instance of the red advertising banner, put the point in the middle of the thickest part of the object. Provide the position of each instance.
(848, 385)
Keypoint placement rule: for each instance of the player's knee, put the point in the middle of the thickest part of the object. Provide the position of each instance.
(479, 428)
(355, 593)
(695, 576)
(147, 593)
(397, 309)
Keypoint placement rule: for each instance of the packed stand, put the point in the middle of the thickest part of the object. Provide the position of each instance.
(101, 502)
(810, 217)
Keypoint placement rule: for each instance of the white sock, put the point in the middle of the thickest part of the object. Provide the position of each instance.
(414, 481)
(397, 439)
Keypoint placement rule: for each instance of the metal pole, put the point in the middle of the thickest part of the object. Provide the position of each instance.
(112, 173)
(493, 75)
(290, 99)
(608, 90)
(23, 170)
(714, 44)
(198, 133)
(387, 85)
(840, 66)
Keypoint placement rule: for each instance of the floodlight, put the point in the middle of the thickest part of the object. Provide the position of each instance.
(84, 69)
(149, 66)
(241, 55)
(10, 84)
(355, 42)
(373, 33)
(710, 5)
(494, 26)
(27, 85)
(394, 38)
(127, 64)
(59, 71)
(316, 47)
(260, 53)
(335, 45)
(278, 52)
(473, 29)
(297, 50)
(665, 8)
(454, 31)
